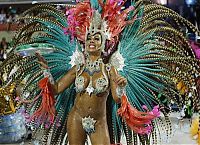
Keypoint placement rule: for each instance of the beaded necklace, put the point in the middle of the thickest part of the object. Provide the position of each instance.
(93, 67)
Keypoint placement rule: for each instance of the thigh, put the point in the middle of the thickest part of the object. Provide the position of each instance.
(76, 134)
(101, 134)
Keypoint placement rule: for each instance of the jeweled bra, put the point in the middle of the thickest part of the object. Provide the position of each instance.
(91, 68)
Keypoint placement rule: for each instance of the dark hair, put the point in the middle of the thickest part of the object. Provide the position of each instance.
(110, 48)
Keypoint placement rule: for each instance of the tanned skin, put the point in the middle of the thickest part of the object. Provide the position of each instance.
(86, 105)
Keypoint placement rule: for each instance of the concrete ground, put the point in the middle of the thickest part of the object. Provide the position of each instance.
(181, 132)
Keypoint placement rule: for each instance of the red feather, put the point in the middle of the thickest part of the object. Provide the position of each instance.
(46, 112)
(138, 121)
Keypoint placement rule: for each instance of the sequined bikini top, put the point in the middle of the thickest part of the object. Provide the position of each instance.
(101, 84)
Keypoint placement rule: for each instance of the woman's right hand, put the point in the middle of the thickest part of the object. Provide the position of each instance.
(41, 61)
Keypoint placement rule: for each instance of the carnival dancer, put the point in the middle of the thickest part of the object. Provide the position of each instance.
(99, 67)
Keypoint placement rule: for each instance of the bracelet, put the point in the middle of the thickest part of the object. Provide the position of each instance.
(120, 91)
(47, 73)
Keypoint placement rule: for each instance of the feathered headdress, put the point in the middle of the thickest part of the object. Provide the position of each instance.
(109, 16)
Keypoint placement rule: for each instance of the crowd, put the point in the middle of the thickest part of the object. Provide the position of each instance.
(9, 15)
(3, 48)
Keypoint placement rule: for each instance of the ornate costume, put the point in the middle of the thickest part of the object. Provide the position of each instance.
(141, 42)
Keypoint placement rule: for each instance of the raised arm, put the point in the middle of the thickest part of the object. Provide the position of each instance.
(65, 81)
(117, 83)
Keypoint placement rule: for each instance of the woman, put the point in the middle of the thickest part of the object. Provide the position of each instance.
(93, 81)
(92, 32)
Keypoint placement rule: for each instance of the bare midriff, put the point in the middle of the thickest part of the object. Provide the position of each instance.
(93, 106)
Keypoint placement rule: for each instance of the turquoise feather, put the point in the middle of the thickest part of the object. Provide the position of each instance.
(95, 5)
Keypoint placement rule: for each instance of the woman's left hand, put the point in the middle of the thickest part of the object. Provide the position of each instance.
(121, 81)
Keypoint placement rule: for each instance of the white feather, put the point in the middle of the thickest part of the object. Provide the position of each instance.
(77, 58)
(117, 61)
